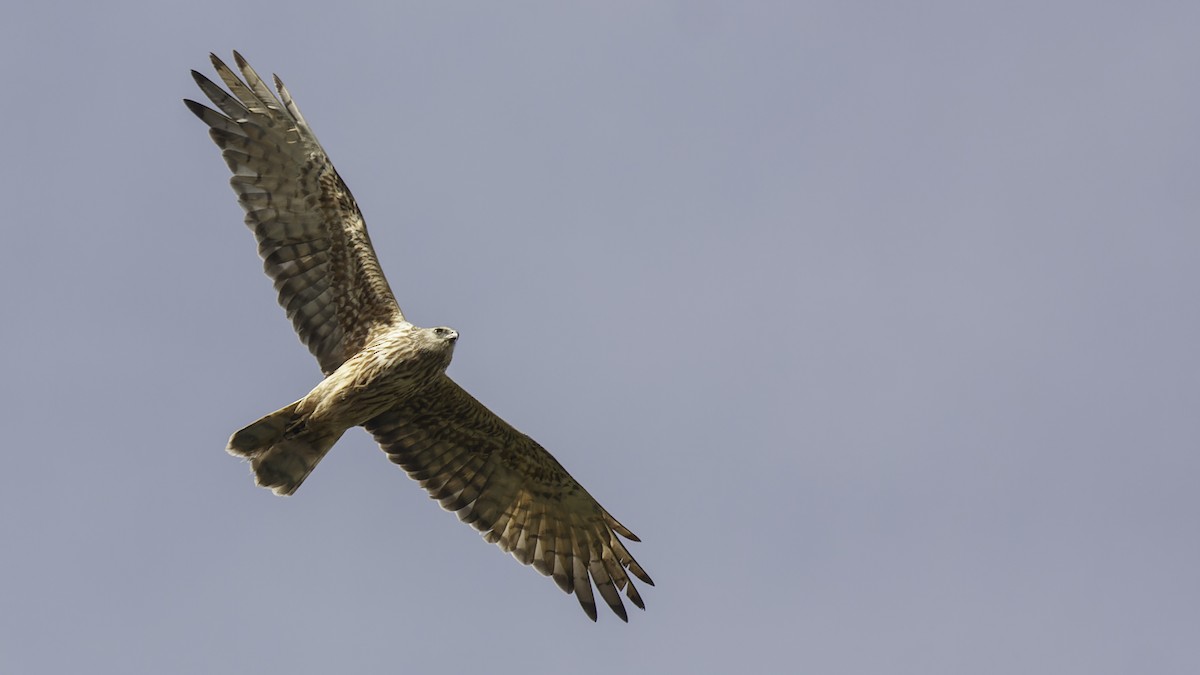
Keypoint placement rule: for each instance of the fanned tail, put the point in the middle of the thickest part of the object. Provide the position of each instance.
(281, 449)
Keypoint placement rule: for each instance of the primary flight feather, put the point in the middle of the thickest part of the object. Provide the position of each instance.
(384, 373)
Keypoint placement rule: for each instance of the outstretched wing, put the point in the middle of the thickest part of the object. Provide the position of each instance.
(311, 235)
(509, 488)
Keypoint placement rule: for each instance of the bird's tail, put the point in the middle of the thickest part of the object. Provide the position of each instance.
(281, 449)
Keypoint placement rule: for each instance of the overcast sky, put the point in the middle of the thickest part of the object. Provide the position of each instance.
(877, 322)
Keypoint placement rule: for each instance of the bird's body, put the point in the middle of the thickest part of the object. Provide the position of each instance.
(397, 365)
(381, 371)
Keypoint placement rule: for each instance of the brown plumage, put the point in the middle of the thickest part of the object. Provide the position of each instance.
(382, 372)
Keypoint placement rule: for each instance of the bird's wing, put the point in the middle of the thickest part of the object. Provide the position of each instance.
(509, 488)
(311, 235)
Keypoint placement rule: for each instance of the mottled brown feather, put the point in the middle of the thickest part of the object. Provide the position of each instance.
(512, 490)
(314, 245)
(310, 232)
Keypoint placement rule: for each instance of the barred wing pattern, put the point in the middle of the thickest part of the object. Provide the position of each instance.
(315, 247)
(311, 235)
(508, 487)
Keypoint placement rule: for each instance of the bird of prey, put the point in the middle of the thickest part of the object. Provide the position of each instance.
(384, 373)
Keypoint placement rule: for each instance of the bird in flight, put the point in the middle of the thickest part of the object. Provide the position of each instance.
(382, 372)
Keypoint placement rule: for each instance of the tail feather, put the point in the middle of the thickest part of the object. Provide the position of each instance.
(260, 436)
(282, 452)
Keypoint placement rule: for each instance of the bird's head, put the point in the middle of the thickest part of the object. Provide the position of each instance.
(444, 334)
(439, 341)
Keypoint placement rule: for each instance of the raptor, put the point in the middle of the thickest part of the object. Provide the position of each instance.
(384, 373)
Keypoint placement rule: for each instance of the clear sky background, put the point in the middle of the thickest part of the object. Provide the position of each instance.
(877, 322)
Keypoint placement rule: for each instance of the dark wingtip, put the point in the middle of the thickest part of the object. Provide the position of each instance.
(589, 608)
(196, 108)
(563, 582)
(619, 610)
(635, 597)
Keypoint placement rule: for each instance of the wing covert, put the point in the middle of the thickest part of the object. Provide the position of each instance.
(311, 235)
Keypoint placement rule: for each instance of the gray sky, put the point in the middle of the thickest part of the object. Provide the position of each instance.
(876, 321)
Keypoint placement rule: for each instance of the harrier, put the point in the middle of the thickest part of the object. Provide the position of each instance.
(384, 373)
